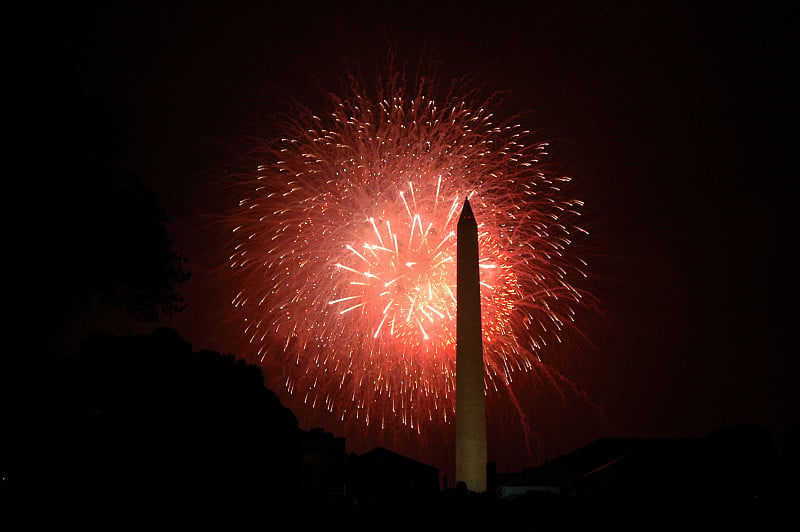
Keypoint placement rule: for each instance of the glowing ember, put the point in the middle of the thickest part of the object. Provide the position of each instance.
(345, 253)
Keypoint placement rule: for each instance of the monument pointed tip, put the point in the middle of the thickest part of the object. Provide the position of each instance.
(466, 213)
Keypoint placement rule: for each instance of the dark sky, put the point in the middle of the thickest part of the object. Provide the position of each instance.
(678, 124)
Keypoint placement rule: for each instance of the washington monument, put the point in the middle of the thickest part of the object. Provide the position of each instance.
(470, 398)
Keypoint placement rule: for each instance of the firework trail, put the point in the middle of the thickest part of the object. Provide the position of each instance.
(344, 253)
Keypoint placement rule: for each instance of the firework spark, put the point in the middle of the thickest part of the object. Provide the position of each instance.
(344, 253)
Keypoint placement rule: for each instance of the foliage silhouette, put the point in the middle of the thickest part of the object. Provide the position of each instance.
(86, 227)
(146, 418)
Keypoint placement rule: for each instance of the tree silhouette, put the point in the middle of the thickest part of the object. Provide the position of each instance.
(82, 228)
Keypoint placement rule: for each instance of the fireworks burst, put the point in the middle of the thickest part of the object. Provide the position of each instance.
(344, 253)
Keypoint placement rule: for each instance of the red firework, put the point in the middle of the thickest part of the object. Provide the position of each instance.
(344, 254)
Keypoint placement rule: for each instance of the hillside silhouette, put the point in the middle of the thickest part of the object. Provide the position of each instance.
(144, 418)
(139, 424)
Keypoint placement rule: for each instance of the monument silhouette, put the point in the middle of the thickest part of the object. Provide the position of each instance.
(470, 399)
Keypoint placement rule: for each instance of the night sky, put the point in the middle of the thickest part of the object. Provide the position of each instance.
(675, 120)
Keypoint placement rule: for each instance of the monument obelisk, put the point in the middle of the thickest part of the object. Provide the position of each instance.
(470, 398)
